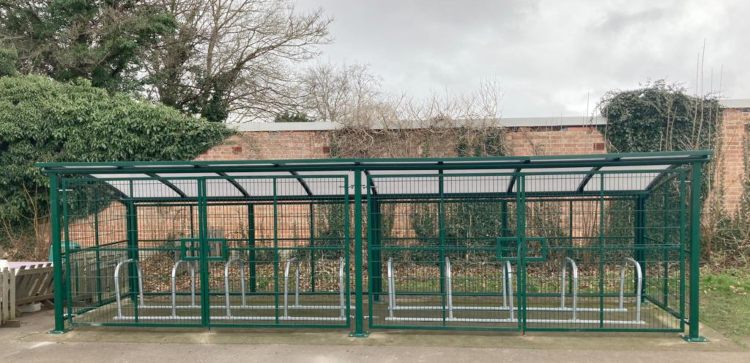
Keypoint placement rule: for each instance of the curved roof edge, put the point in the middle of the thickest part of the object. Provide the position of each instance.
(546, 161)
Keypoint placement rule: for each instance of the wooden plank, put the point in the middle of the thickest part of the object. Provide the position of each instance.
(34, 283)
(45, 288)
(3, 295)
(23, 279)
(7, 298)
(12, 294)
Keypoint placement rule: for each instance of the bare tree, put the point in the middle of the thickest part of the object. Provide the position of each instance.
(476, 108)
(339, 93)
(233, 56)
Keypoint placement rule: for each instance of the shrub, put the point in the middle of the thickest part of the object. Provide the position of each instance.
(44, 120)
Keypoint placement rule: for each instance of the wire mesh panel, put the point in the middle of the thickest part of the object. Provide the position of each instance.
(434, 258)
(608, 259)
(601, 271)
(121, 269)
(288, 265)
(199, 261)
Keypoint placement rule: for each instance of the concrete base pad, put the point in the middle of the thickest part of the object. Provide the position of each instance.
(33, 343)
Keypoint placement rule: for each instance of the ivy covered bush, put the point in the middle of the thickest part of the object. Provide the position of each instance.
(45, 120)
(659, 117)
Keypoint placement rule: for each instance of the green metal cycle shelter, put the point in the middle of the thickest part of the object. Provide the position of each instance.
(606, 242)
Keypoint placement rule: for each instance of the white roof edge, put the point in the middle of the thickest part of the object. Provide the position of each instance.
(560, 121)
(735, 103)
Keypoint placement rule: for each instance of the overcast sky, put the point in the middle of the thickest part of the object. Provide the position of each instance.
(548, 56)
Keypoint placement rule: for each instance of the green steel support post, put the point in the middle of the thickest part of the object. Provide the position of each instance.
(371, 296)
(569, 252)
(504, 219)
(276, 249)
(602, 233)
(665, 253)
(521, 248)
(98, 254)
(695, 252)
(132, 227)
(312, 247)
(374, 229)
(347, 251)
(570, 225)
(192, 222)
(683, 246)
(441, 237)
(359, 325)
(67, 252)
(640, 234)
(56, 254)
(204, 252)
(251, 255)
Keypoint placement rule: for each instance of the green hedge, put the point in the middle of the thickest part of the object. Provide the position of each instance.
(44, 120)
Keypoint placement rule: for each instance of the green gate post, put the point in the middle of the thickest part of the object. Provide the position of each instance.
(640, 234)
(276, 249)
(359, 325)
(192, 222)
(683, 246)
(132, 227)
(374, 252)
(569, 252)
(204, 253)
(98, 253)
(251, 255)
(67, 252)
(665, 253)
(442, 237)
(504, 232)
(602, 237)
(521, 250)
(56, 255)
(312, 247)
(695, 252)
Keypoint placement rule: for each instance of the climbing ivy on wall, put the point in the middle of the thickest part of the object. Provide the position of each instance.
(663, 117)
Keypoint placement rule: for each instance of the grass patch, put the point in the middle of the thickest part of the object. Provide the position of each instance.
(725, 302)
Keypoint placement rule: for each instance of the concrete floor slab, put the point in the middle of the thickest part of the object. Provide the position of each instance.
(32, 343)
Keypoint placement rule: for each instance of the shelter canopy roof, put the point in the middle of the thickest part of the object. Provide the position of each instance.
(564, 175)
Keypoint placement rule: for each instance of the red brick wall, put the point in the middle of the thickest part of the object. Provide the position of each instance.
(272, 145)
(258, 145)
(555, 141)
(729, 158)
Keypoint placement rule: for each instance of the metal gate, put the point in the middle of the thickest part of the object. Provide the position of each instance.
(504, 259)
(284, 272)
(425, 274)
(230, 251)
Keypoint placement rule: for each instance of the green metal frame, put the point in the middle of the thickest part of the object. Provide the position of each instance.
(685, 168)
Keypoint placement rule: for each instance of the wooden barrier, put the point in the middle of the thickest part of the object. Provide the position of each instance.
(8, 297)
(34, 284)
